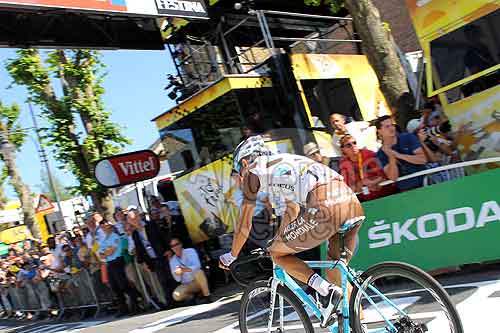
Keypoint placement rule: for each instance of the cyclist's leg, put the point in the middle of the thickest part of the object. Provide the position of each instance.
(309, 229)
(350, 239)
(283, 254)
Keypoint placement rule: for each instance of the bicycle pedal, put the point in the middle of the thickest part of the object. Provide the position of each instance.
(332, 320)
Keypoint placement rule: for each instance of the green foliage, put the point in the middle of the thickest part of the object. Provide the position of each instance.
(14, 134)
(9, 116)
(335, 5)
(80, 74)
(45, 188)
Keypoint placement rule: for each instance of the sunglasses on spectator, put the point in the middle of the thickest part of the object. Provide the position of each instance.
(175, 244)
(349, 145)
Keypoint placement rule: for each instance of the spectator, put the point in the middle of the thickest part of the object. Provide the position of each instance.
(400, 155)
(360, 130)
(4, 290)
(186, 268)
(178, 226)
(110, 249)
(439, 149)
(120, 221)
(362, 171)
(71, 262)
(164, 221)
(56, 253)
(77, 232)
(312, 151)
(149, 244)
(95, 234)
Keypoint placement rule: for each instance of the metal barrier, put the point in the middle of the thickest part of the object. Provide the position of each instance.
(79, 291)
(63, 292)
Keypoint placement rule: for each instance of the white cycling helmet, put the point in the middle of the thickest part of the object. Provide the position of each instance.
(251, 148)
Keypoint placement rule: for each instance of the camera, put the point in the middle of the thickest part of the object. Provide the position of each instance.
(440, 129)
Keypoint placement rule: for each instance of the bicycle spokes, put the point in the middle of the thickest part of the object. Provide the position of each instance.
(400, 305)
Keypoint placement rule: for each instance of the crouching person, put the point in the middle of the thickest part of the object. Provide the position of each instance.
(186, 268)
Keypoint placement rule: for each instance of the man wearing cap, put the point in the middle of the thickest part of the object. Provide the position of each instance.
(312, 151)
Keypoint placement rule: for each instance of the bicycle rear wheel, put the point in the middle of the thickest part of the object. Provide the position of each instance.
(288, 312)
(405, 295)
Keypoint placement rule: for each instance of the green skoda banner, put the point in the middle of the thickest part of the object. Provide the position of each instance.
(444, 225)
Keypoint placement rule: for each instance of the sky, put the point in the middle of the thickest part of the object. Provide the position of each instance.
(134, 94)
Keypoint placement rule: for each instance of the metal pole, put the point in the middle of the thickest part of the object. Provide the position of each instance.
(45, 161)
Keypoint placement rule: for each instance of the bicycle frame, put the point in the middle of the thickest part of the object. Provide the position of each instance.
(348, 274)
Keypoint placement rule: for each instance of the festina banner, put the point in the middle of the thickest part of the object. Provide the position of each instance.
(127, 168)
(187, 8)
(175, 8)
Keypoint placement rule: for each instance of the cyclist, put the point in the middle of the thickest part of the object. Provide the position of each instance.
(318, 204)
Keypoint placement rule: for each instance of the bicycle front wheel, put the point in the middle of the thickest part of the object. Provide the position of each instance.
(407, 297)
(288, 312)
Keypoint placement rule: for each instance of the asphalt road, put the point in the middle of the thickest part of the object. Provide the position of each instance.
(476, 294)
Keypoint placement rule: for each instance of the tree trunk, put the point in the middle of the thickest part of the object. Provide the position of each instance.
(23, 193)
(379, 48)
(3, 199)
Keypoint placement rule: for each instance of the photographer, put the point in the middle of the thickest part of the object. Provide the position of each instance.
(434, 132)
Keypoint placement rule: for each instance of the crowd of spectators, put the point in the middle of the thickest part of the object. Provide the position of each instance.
(114, 253)
(365, 161)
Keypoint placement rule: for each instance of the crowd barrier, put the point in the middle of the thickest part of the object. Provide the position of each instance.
(78, 291)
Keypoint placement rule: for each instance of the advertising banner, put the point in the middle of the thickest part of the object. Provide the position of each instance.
(205, 199)
(436, 17)
(445, 225)
(177, 8)
(15, 234)
(478, 116)
(127, 168)
(186, 8)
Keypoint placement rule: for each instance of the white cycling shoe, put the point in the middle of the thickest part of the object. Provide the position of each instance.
(330, 303)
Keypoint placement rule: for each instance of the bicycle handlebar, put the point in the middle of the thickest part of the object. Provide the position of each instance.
(255, 256)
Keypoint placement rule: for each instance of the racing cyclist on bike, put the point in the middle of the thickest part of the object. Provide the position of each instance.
(318, 204)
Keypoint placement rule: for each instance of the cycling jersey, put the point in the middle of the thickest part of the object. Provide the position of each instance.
(290, 177)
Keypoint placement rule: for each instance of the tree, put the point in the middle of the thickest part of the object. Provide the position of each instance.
(379, 47)
(12, 138)
(45, 188)
(79, 106)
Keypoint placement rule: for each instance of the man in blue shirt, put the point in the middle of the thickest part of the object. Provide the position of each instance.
(110, 249)
(186, 268)
(400, 155)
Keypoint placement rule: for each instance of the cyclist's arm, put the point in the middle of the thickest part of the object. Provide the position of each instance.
(251, 187)
(268, 208)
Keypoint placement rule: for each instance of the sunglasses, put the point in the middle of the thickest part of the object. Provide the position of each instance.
(175, 244)
(349, 145)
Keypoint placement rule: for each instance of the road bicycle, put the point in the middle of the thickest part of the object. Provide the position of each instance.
(390, 297)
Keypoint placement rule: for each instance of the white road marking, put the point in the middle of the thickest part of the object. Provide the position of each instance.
(56, 328)
(183, 315)
(479, 311)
